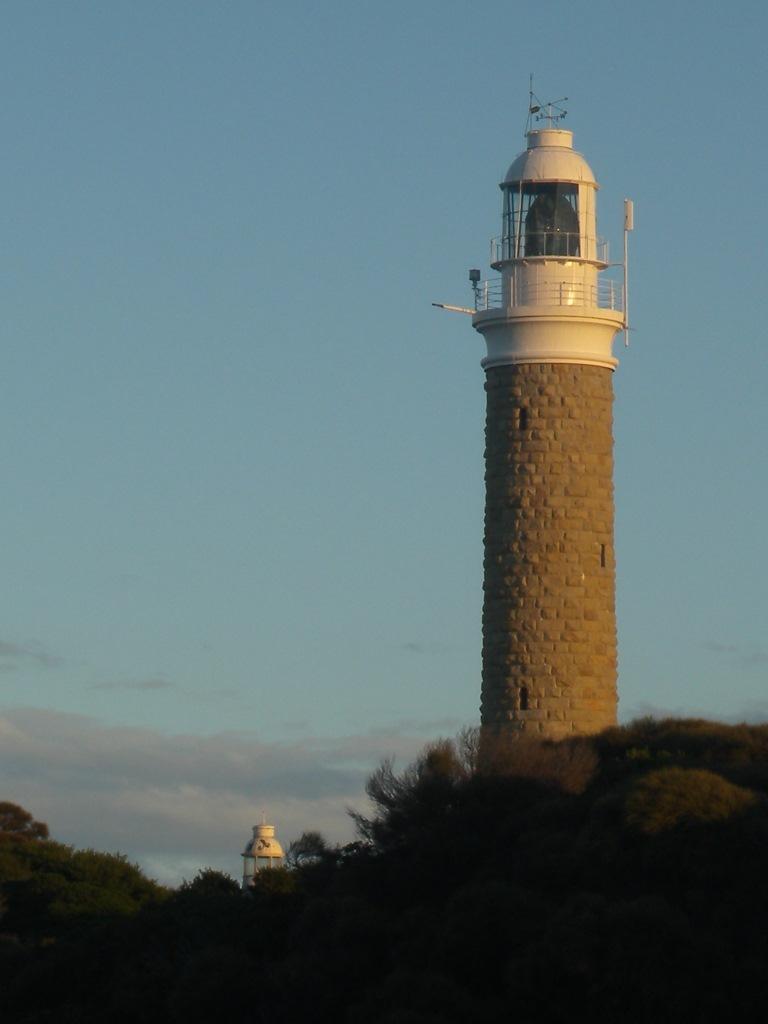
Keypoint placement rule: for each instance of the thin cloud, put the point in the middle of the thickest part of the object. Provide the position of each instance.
(717, 648)
(169, 801)
(754, 660)
(135, 684)
(739, 656)
(161, 683)
(424, 647)
(420, 727)
(14, 656)
(298, 725)
(214, 694)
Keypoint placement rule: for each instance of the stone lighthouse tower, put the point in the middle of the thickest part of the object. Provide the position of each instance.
(548, 321)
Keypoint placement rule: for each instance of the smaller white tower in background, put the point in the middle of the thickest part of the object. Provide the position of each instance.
(262, 851)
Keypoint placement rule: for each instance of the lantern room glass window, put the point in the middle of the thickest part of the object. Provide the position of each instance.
(541, 219)
(249, 869)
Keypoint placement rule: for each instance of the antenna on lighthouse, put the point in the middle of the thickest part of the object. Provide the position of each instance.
(629, 224)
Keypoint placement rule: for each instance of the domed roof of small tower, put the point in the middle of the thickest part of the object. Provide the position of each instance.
(263, 843)
(550, 157)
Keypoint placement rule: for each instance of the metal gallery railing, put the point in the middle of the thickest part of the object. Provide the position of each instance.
(605, 294)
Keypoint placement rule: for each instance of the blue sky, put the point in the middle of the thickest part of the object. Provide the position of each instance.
(243, 453)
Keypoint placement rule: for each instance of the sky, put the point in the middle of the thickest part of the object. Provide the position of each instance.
(243, 454)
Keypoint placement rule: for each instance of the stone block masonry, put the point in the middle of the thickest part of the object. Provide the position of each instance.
(549, 618)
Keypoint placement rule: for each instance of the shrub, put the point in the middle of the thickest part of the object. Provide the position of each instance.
(694, 741)
(669, 797)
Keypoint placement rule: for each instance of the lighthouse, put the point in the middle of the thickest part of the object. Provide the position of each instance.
(262, 851)
(549, 320)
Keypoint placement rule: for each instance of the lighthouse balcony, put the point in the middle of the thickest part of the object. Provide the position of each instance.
(546, 245)
(603, 294)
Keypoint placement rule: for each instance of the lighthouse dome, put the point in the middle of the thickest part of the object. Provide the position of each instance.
(550, 157)
(263, 844)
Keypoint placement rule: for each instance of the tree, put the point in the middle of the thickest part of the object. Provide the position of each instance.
(211, 884)
(309, 848)
(17, 822)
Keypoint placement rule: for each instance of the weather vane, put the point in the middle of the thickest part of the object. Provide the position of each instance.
(550, 112)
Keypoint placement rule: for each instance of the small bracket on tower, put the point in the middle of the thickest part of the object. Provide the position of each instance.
(474, 280)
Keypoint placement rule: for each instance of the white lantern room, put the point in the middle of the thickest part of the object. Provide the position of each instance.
(552, 302)
(262, 851)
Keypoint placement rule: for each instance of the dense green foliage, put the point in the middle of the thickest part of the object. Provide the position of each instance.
(621, 875)
(49, 890)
